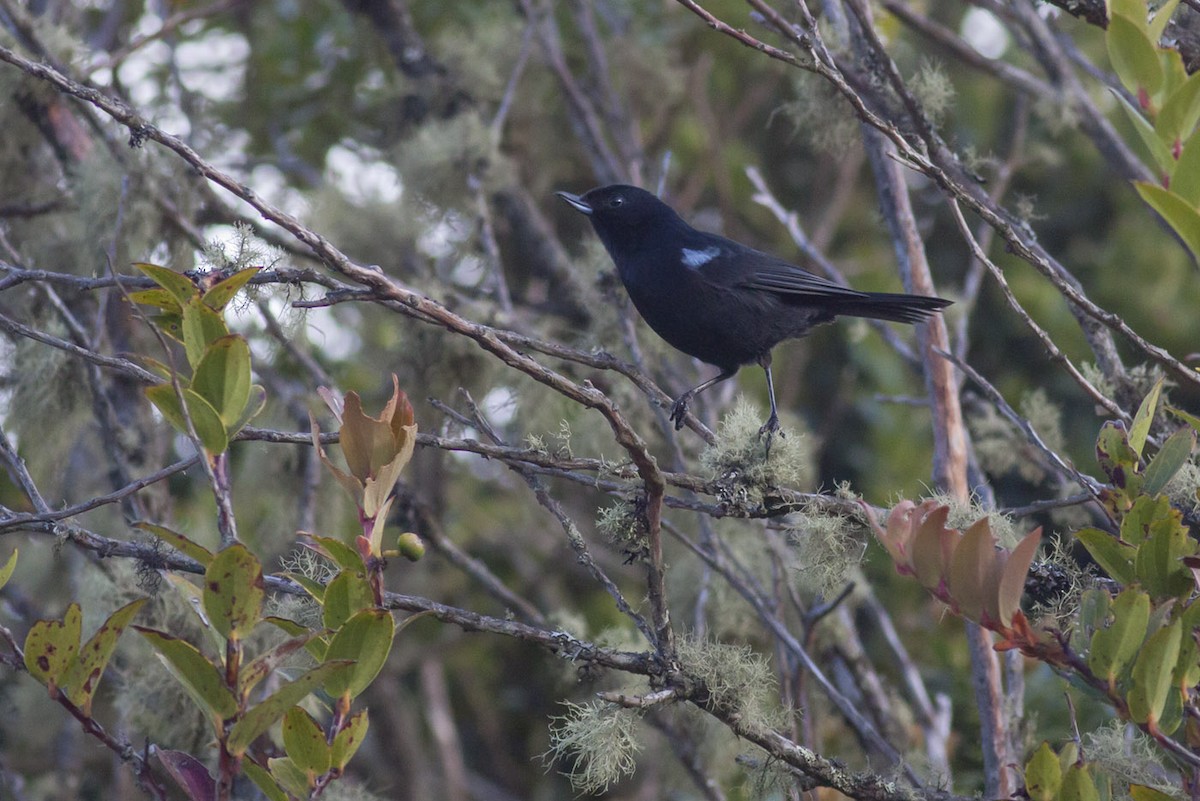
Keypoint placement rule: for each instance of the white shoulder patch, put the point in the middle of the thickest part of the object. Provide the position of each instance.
(698, 258)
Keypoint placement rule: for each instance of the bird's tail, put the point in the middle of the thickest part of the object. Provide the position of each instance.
(895, 307)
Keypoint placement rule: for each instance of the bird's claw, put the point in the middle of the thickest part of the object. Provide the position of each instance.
(768, 431)
(679, 411)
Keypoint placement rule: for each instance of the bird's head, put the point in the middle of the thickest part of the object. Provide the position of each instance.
(619, 211)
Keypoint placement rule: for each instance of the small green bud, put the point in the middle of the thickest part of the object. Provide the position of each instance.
(411, 547)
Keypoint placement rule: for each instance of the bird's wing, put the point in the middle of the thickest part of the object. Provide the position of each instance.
(741, 266)
(790, 280)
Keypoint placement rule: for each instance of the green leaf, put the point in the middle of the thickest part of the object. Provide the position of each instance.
(290, 777)
(208, 424)
(345, 596)
(51, 645)
(261, 717)
(201, 327)
(177, 541)
(1172, 714)
(201, 678)
(193, 598)
(337, 552)
(1140, 428)
(9, 566)
(264, 781)
(170, 324)
(223, 377)
(233, 591)
(315, 646)
(255, 404)
(1140, 792)
(1162, 541)
(1145, 131)
(304, 742)
(1187, 669)
(1078, 785)
(1118, 460)
(1177, 118)
(266, 663)
(1133, 55)
(1190, 419)
(366, 637)
(313, 587)
(180, 286)
(83, 676)
(205, 419)
(1116, 557)
(218, 297)
(1170, 458)
(1161, 18)
(1178, 213)
(1114, 648)
(1043, 775)
(1135, 10)
(1185, 179)
(349, 739)
(1152, 674)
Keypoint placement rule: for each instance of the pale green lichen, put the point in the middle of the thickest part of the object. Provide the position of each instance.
(740, 459)
(737, 678)
(599, 740)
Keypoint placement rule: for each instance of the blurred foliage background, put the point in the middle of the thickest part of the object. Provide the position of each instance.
(427, 138)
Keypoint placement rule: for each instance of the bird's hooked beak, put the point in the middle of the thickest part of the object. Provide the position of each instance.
(578, 203)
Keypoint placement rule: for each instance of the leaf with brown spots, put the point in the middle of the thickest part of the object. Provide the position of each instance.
(233, 592)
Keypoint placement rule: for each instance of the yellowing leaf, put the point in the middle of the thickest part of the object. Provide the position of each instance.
(304, 742)
(180, 286)
(82, 678)
(349, 739)
(177, 541)
(51, 645)
(9, 566)
(233, 591)
(218, 297)
(1043, 775)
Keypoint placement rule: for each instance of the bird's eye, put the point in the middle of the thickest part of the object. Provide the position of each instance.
(616, 201)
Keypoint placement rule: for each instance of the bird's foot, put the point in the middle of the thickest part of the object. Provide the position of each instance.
(679, 410)
(768, 431)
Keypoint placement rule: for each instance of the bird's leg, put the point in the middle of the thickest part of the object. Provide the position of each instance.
(680, 408)
(772, 425)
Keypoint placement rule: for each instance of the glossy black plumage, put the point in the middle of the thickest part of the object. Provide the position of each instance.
(718, 300)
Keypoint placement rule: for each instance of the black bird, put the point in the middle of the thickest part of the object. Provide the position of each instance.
(715, 299)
